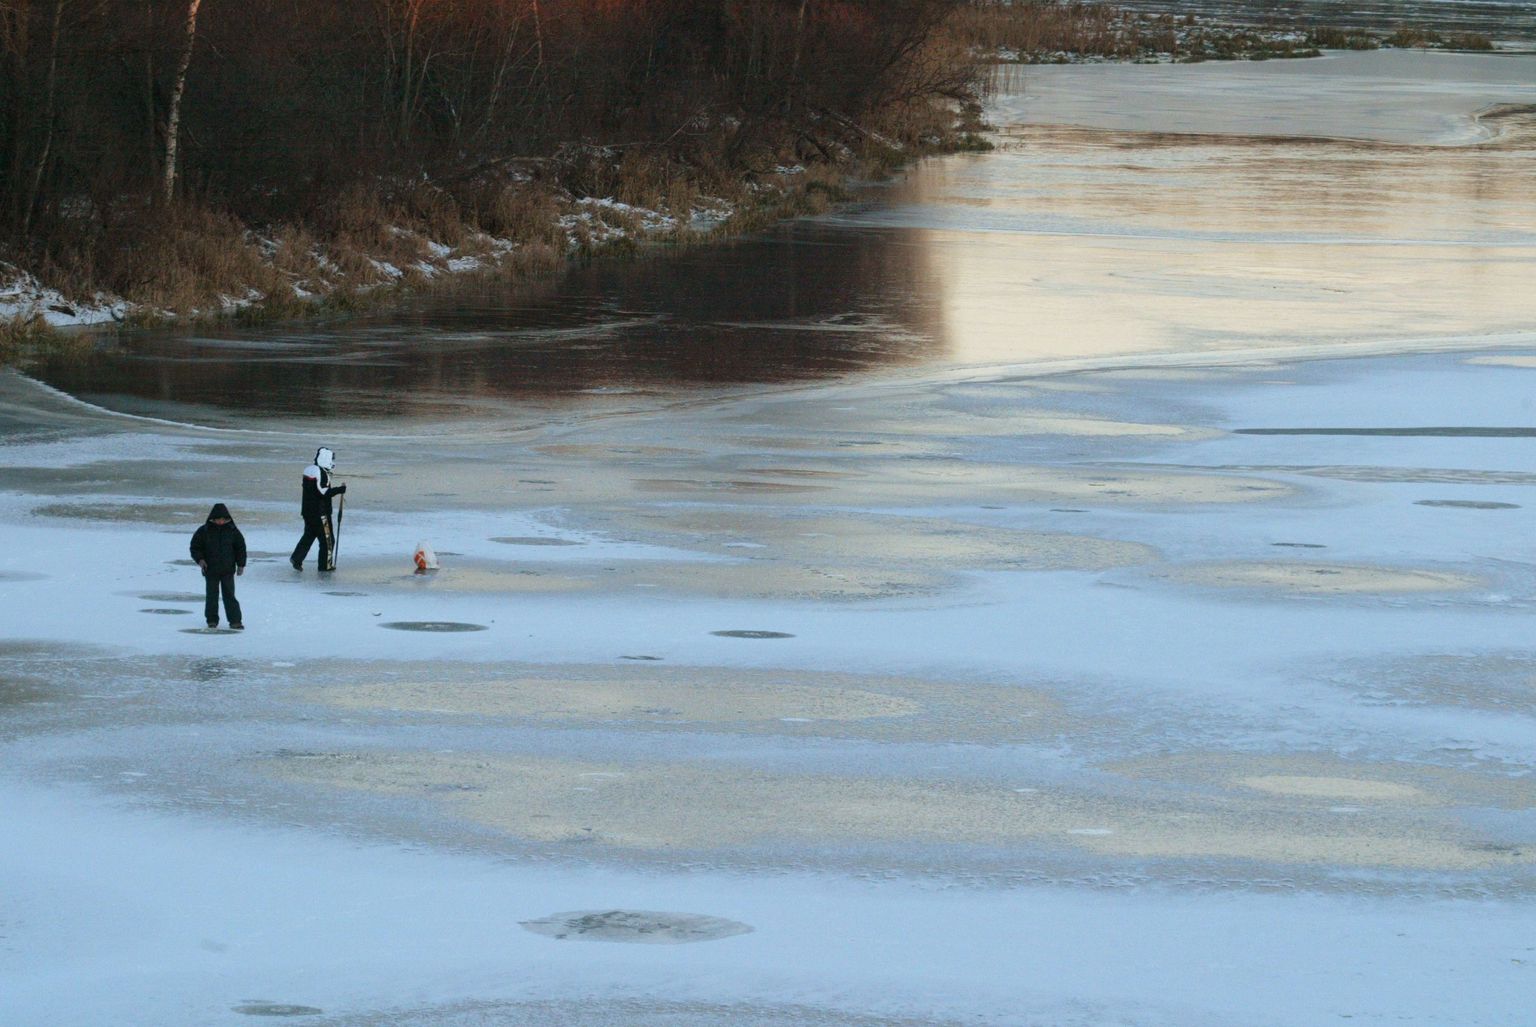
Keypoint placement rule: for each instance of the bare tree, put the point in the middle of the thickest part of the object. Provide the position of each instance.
(178, 90)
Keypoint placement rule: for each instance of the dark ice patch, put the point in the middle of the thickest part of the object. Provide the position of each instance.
(639, 657)
(533, 540)
(647, 1011)
(752, 634)
(20, 692)
(21, 576)
(1299, 545)
(213, 670)
(635, 925)
(22, 650)
(130, 513)
(211, 631)
(431, 625)
(170, 597)
(1467, 504)
(346, 593)
(163, 610)
(1496, 681)
(720, 485)
(275, 1009)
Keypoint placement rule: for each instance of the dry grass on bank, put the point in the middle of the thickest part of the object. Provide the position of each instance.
(1419, 37)
(192, 260)
(175, 258)
(24, 339)
(1087, 29)
(518, 219)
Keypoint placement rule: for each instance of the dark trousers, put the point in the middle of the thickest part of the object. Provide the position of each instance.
(217, 583)
(314, 530)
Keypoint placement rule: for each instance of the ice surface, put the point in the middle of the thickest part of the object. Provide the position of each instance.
(987, 690)
(1396, 96)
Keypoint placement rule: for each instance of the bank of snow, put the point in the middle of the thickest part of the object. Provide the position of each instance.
(24, 298)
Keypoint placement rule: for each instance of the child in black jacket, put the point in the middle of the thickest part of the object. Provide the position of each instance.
(219, 549)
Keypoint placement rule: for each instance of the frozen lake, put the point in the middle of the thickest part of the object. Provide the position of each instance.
(1082, 584)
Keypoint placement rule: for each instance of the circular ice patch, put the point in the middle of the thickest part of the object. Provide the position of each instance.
(163, 610)
(171, 597)
(635, 925)
(346, 593)
(533, 540)
(1467, 504)
(431, 625)
(211, 631)
(752, 634)
(276, 1009)
(22, 576)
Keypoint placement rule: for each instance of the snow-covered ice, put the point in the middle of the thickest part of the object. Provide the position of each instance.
(1183, 679)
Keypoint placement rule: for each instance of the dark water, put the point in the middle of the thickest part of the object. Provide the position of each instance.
(804, 301)
(1509, 21)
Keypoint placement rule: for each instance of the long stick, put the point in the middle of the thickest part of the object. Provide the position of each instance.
(341, 508)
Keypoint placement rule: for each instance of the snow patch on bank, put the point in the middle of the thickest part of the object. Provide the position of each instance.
(24, 298)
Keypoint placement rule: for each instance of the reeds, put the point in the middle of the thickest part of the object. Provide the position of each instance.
(1038, 27)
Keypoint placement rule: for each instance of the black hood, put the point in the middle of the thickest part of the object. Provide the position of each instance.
(219, 510)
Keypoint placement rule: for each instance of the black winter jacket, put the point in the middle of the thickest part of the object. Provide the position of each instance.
(221, 545)
(317, 493)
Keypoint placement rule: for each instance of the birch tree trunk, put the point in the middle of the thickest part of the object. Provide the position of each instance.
(173, 116)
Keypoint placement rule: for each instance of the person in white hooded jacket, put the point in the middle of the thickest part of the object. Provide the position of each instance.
(316, 509)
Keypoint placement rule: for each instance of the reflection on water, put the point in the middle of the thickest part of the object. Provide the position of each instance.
(1069, 243)
(1075, 244)
(805, 301)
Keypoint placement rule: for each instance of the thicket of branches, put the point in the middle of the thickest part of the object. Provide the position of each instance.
(278, 105)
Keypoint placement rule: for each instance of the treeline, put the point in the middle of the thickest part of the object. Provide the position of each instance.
(274, 107)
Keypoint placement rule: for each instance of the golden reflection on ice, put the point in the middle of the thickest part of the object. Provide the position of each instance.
(1081, 243)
